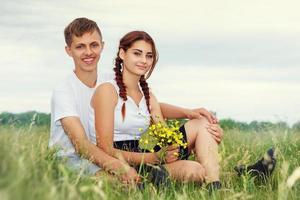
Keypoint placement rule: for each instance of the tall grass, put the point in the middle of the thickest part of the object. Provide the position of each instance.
(29, 170)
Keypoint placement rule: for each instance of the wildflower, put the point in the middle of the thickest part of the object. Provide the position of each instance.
(141, 129)
(162, 135)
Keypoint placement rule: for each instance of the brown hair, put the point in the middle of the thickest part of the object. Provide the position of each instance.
(125, 43)
(78, 27)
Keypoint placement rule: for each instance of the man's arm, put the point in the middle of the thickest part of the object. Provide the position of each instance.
(75, 131)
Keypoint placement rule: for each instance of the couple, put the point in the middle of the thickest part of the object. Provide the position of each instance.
(93, 120)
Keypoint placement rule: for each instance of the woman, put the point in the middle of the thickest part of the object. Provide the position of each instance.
(125, 105)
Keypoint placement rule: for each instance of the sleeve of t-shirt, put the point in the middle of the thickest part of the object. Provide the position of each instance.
(63, 105)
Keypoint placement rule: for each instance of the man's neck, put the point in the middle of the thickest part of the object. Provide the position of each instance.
(87, 78)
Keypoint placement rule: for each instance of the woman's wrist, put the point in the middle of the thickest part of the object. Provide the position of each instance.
(155, 158)
(186, 112)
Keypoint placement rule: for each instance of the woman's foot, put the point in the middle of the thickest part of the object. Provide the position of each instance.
(158, 175)
(213, 186)
(262, 169)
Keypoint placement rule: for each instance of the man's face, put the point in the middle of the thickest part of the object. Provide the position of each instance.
(85, 51)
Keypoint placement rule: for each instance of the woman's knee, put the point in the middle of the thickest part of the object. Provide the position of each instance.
(203, 122)
(195, 172)
(195, 127)
(196, 124)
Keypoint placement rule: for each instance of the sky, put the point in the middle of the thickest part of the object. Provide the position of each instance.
(240, 59)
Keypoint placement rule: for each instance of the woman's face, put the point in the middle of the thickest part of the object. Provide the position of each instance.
(138, 59)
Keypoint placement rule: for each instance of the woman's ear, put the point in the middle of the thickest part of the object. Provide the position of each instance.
(122, 54)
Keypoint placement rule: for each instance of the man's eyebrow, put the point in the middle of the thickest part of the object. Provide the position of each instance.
(79, 44)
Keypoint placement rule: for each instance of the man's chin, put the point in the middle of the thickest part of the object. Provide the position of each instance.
(88, 69)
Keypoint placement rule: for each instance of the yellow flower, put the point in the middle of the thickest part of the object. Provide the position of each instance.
(163, 135)
(141, 129)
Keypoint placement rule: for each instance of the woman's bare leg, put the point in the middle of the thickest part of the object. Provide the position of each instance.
(205, 147)
(186, 171)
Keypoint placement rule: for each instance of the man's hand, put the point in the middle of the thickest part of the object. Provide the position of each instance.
(130, 176)
(201, 112)
(216, 132)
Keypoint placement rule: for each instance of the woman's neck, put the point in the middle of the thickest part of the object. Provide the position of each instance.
(131, 81)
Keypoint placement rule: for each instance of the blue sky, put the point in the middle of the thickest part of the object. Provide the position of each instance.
(238, 58)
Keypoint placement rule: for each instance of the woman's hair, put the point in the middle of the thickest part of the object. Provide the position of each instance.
(125, 43)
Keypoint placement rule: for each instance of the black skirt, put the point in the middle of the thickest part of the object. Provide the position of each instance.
(133, 146)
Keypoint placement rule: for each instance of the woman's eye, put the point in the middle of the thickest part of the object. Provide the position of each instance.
(150, 56)
(137, 53)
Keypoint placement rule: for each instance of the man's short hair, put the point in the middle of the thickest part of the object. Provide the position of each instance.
(78, 27)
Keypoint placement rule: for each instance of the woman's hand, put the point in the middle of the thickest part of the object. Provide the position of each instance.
(168, 154)
(201, 112)
(216, 131)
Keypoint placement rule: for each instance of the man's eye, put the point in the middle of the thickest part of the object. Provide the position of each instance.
(79, 47)
(95, 45)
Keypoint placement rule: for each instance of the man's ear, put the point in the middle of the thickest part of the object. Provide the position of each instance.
(102, 46)
(68, 50)
(122, 54)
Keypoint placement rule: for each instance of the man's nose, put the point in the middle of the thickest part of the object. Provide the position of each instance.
(88, 51)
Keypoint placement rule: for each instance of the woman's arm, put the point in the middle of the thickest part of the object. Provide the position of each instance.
(171, 112)
(104, 102)
(156, 112)
(175, 112)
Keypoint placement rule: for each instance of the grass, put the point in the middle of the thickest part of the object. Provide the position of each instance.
(29, 170)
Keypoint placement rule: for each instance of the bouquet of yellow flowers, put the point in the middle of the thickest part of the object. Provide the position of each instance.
(162, 135)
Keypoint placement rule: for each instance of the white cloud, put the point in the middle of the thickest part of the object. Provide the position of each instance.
(239, 58)
(239, 93)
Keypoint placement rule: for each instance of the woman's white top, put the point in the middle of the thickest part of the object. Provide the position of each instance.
(136, 121)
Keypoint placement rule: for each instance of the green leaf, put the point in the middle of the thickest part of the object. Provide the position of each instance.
(150, 144)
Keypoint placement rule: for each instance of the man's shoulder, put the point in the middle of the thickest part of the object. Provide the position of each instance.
(66, 84)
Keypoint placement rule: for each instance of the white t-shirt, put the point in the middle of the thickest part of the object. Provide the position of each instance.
(137, 119)
(71, 98)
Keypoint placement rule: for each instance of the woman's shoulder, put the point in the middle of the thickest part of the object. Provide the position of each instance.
(105, 92)
(106, 87)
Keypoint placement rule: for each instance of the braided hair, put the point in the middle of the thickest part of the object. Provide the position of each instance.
(125, 43)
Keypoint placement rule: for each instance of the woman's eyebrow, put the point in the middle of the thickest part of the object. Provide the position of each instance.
(150, 52)
(138, 50)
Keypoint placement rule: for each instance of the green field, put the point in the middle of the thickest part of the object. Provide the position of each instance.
(29, 170)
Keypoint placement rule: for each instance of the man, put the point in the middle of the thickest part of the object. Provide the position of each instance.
(70, 104)
(71, 101)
